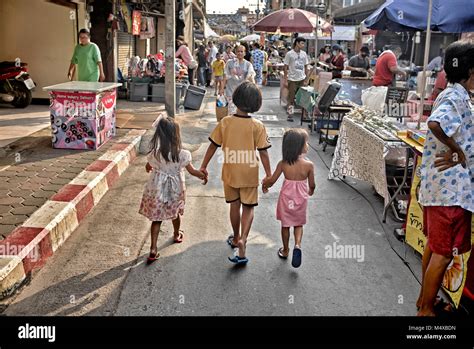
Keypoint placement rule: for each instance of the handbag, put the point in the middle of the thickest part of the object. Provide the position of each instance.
(193, 64)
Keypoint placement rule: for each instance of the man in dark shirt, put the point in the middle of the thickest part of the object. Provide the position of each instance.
(359, 65)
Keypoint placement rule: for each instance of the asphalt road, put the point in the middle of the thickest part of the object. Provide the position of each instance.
(100, 270)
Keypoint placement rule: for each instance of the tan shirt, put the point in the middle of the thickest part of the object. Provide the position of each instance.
(240, 137)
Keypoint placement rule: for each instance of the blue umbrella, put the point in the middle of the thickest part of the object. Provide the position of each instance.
(449, 16)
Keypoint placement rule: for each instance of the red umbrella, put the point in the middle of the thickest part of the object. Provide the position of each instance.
(291, 20)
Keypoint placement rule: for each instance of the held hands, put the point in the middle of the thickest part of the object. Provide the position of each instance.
(148, 168)
(205, 175)
(450, 159)
(266, 184)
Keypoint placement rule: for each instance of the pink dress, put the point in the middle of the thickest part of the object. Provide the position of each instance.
(165, 192)
(292, 203)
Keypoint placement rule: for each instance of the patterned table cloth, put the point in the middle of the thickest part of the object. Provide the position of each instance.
(361, 154)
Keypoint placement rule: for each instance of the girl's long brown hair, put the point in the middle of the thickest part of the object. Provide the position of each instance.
(294, 141)
(167, 140)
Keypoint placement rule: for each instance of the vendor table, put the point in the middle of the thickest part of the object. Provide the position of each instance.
(456, 280)
(82, 114)
(361, 154)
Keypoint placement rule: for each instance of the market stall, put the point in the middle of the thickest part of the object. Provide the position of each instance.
(366, 142)
(82, 114)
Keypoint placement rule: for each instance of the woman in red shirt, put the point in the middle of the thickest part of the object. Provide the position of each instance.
(337, 62)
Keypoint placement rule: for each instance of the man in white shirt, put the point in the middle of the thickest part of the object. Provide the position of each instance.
(212, 52)
(296, 72)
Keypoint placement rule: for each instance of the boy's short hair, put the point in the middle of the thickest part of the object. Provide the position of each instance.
(298, 39)
(247, 97)
(459, 61)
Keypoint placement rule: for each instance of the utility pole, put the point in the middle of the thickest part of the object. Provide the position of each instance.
(170, 49)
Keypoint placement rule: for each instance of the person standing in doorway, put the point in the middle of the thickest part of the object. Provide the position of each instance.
(296, 72)
(88, 60)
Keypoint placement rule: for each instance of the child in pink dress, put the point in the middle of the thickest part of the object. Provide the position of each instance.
(165, 192)
(298, 186)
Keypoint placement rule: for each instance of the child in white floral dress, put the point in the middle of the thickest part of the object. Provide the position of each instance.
(165, 192)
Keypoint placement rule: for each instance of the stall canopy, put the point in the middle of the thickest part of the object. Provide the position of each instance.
(251, 37)
(291, 20)
(341, 32)
(453, 16)
(209, 33)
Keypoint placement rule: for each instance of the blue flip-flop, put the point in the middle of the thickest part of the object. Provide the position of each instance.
(296, 260)
(230, 240)
(238, 260)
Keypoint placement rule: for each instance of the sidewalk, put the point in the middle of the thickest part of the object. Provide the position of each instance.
(46, 192)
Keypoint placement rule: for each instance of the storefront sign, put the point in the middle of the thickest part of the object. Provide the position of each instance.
(136, 22)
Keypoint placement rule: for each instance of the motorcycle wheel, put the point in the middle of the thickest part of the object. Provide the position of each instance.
(22, 95)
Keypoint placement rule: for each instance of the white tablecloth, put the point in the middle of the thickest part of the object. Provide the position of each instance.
(361, 154)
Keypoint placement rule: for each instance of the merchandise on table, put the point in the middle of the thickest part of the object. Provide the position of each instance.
(417, 135)
(375, 122)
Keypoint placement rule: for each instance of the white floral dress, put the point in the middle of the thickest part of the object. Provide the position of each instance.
(165, 192)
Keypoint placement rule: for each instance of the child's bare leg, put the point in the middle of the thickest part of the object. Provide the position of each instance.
(235, 220)
(155, 231)
(285, 238)
(432, 282)
(176, 226)
(424, 265)
(298, 236)
(247, 219)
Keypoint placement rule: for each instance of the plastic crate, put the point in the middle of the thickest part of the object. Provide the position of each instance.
(158, 93)
(138, 91)
(194, 97)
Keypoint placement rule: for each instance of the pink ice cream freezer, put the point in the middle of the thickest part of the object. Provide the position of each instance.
(82, 114)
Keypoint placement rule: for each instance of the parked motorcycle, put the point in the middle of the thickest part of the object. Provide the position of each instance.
(15, 84)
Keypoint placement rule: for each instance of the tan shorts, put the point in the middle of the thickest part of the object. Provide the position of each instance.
(247, 196)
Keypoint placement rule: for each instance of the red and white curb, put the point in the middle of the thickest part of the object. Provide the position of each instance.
(29, 245)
